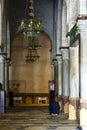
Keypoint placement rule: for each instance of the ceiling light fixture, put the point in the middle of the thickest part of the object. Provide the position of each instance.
(30, 27)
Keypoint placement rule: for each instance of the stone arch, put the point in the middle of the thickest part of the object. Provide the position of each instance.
(31, 77)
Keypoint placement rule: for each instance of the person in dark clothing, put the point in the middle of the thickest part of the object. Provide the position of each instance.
(0, 86)
(54, 107)
(79, 128)
(51, 90)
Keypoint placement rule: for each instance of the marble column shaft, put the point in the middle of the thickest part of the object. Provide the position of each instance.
(73, 6)
(65, 58)
(59, 26)
(74, 82)
(83, 57)
(59, 58)
(2, 70)
(59, 75)
(83, 71)
(6, 82)
(56, 77)
(1, 18)
(0, 24)
(64, 25)
(74, 72)
(83, 7)
(7, 76)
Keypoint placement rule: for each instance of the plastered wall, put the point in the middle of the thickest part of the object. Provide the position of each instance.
(28, 77)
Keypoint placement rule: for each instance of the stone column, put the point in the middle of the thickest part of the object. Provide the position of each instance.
(1, 40)
(7, 63)
(82, 7)
(2, 88)
(2, 81)
(2, 71)
(55, 77)
(82, 23)
(65, 57)
(8, 56)
(74, 82)
(1, 18)
(64, 25)
(59, 59)
(2, 64)
(0, 23)
(59, 26)
(72, 6)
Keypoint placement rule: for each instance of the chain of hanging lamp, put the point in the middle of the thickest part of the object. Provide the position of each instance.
(32, 51)
(31, 29)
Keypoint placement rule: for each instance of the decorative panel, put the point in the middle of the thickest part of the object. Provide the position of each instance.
(17, 86)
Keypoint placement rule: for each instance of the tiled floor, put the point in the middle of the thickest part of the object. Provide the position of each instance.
(34, 118)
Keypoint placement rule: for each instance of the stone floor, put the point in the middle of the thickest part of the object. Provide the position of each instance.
(34, 118)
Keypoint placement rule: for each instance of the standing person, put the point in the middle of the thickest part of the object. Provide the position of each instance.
(0, 86)
(79, 128)
(54, 107)
(51, 90)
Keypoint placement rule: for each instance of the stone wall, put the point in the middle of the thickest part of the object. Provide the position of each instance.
(26, 77)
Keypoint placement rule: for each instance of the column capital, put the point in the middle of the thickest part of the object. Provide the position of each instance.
(81, 17)
(1, 58)
(82, 7)
(59, 58)
(54, 61)
(65, 52)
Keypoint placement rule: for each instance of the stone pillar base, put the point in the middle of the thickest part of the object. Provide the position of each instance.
(66, 104)
(73, 108)
(83, 113)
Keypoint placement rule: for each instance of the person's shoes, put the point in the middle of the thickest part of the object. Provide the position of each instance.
(54, 114)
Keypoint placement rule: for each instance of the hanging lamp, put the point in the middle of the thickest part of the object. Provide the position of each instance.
(30, 27)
